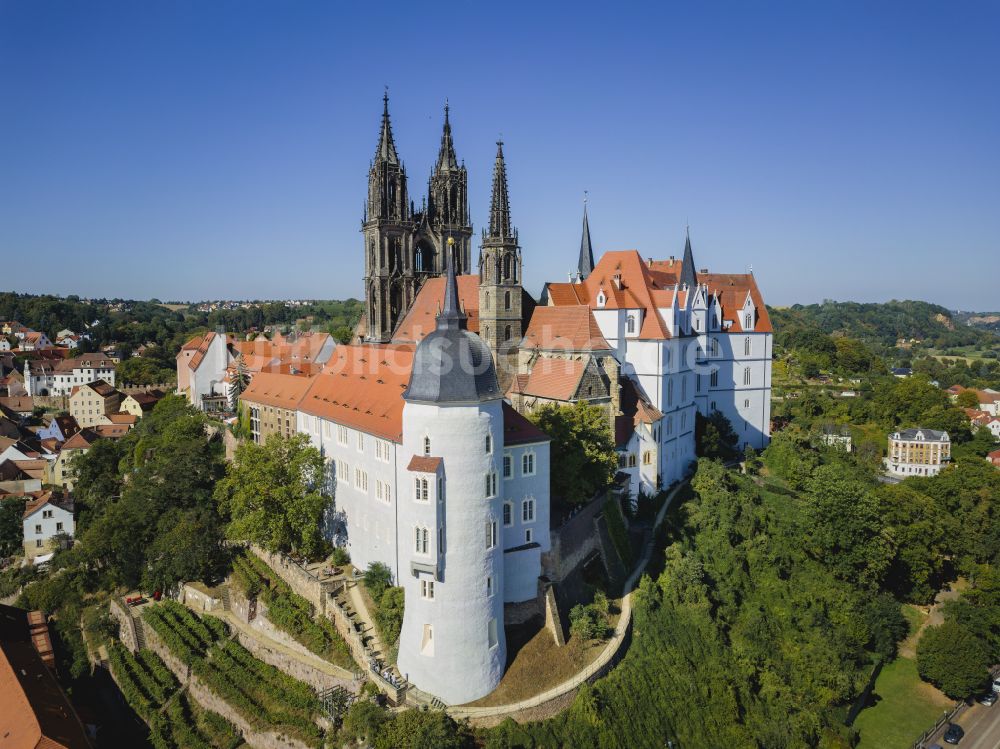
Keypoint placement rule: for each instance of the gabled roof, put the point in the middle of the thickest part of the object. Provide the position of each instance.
(424, 464)
(422, 317)
(517, 430)
(555, 379)
(47, 498)
(636, 409)
(19, 404)
(123, 418)
(82, 440)
(111, 431)
(570, 328)
(100, 387)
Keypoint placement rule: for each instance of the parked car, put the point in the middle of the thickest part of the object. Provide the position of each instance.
(996, 683)
(988, 699)
(953, 734)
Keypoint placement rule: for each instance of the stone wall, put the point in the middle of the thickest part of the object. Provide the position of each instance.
(300, 580)
(553, 622)
(126, 624)
(199, 600)
(573, 542)
(318, 680)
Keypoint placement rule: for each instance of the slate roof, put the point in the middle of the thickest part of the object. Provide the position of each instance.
(931, 435)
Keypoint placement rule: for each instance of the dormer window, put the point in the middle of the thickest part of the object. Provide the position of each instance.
(601, 298)
(630, 325)
(748, 321)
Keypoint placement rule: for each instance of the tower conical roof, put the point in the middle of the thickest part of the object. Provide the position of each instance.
(500, 201)
(446, 156)
(586, 263)
(688, 275)
(386, 150)
(451, 315)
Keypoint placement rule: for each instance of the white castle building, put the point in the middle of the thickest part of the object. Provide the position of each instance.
(437, 472)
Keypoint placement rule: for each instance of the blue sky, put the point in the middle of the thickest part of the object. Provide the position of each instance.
(212, 148)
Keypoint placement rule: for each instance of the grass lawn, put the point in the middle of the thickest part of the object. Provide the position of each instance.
(905, 708)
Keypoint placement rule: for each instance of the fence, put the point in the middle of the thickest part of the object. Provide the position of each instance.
(960, 707)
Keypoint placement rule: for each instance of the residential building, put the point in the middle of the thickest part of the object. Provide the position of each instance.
(35, 341)
(61, 471)
(272, 401)
(34, 711)
(94, 403)
(917, 452)
(43, 377)
(140, 404)
(46, 517)
(59, 428)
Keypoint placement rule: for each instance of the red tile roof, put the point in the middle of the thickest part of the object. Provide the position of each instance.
(556, 379)
(422, 317)
(424, 464)
(280, 390)
(517, 430)
(571, 328)
(82, 440)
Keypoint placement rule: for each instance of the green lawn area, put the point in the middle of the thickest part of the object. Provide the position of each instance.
(914, 617)
(905, 708)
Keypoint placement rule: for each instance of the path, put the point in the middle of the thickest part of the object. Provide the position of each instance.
(357, 602)
(624, 622)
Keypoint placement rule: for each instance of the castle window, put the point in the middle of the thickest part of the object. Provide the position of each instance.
(670, 392)
(343, 470)
(361, 442)
(491, 633)
(487, 305)
(746, 403)
(713, 347)
(491, 484)
(508, 513)
(746, 375)
(506, 300)
(427, 590)
(506, 333)
(421, 537)
(528, 535)
(360, 480)
(491, 534)
(489, 585)
(713, 379)
(507, 467)
(440, 490)
(427, 446)
(528, 464)
(747, 346)
(630, 324)
(684, 389)
(427, 642)
(647, 458)
(341, 435)
(748, 321)
(489, 444)
(631, 460)
(420, 490)
(528, 511)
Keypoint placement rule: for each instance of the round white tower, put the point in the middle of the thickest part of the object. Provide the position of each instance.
(451, 552)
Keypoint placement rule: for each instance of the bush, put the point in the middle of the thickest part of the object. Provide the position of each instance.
(377, 578)
(389, 615)
(340, 557)
(587, 623)
(363, 721)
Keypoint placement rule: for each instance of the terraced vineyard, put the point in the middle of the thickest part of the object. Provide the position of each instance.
(267, 698)
(289, 611)
(153, 692)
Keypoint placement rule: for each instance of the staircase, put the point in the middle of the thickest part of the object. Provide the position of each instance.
(140, 635)
(226, 600)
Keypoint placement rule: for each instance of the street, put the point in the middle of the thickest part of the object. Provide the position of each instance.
(982, 728)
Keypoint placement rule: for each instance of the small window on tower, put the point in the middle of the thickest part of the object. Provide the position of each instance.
(506, 300)
(427, 445)
(506, 333)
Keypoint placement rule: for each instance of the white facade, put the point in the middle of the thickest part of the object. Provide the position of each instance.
(45, 379)
(42, 525)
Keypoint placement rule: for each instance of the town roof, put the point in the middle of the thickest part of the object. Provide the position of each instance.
(518, 430)
(424, 464)
(555, 379)
(123, 418)
(148, 399)
(931, 435)
(82, 440)
(111, 431)
(362, 387)
(636, 409)
(19, 404)
(280, 390)
(87, 361)
(571, 328)
(47, 498)
(67, 424)
(34, 711)
(102, 388)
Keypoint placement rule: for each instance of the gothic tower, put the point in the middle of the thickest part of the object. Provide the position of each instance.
(500, 294)
(447, 214)
(388, 228)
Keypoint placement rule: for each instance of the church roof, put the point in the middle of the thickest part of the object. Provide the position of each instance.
(421, 318)
(446, 160)
(451, 364)
(554, 379)
(500, 225)
(386, 149)
(585, 265)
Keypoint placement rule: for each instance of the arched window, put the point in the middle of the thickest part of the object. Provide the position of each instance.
(506, 300)
(631, 460)
(427, 445)
(748, 321)
(506, 333)
(747, 346)
(746, 375)
(630, 324)
(489, 443)
(487, 305)
(647, 458)
(670, 392)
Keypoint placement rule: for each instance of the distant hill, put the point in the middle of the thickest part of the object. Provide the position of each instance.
(885, 324)
(981, 320)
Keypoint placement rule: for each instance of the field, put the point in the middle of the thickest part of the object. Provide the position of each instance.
(904, 708)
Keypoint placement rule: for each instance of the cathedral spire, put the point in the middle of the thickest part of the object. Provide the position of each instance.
(386, 150)
(446, 156)
(586, 263)
(500, 202)
(688, 275)
(451, 315)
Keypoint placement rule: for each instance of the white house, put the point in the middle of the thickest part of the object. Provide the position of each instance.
(58, 378)
(917, 452)
(46, 517)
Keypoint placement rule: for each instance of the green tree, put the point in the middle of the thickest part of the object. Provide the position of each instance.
(583, 451)
(378, 577)
(953, 659)
(11, 526)
(240, 381)
(714, 436)
(967, 399)
(363, 721)
(422, 729)
(272, 495)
